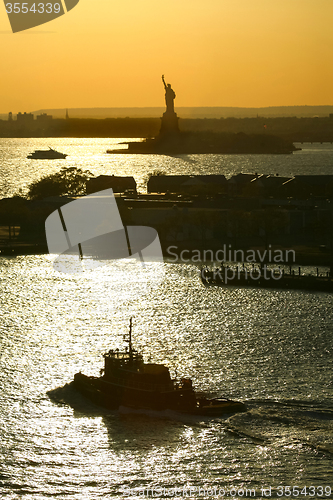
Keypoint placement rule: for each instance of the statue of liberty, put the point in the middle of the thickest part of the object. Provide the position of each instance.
(169, 97)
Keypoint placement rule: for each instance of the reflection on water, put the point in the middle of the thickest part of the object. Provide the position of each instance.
(17, 172)
(272, 349)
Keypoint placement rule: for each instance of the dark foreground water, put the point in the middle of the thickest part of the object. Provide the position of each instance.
(271, 349)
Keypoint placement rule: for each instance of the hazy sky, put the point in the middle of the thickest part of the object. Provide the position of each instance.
(109, 53)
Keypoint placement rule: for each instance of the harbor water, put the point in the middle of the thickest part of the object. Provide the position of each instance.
(272, 349)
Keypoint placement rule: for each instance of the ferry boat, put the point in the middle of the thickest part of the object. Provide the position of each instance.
(126, 381)
(48, 154)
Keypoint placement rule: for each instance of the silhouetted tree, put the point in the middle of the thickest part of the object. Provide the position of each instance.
(69, 181)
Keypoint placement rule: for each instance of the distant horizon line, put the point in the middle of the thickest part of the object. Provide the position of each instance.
(190, 107)
(185, 111)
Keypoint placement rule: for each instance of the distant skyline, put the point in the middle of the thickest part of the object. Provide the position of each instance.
(184, 112)
(229, 53)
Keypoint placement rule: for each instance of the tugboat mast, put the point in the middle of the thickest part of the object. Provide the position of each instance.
(130, 340)
(131, 353)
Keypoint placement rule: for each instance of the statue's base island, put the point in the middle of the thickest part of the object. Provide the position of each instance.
(171, 140)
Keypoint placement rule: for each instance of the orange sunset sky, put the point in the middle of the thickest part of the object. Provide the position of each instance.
(110, 53)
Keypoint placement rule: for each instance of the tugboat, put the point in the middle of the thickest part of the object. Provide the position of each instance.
(129, 382)
(49, 154)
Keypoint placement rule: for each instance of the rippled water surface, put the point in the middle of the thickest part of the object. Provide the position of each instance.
(271, 349)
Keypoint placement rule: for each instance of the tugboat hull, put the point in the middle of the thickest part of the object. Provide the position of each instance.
(112, 396)
(217, 407)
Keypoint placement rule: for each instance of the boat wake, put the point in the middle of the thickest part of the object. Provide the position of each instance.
(285, 424)
(265, 423)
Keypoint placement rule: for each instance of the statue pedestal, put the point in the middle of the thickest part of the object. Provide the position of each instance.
(169, 124)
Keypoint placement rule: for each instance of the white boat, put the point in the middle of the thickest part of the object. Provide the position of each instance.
(49, 154)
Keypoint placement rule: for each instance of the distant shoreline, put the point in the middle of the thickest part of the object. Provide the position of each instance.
(291, 129)
(187, 112)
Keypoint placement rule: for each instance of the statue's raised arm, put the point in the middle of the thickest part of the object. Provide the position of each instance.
(164, 82)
